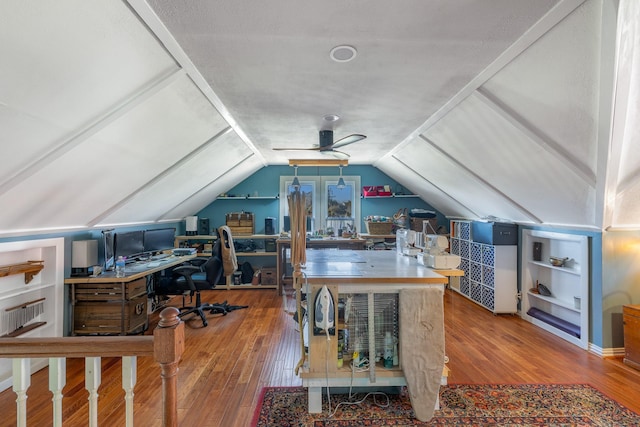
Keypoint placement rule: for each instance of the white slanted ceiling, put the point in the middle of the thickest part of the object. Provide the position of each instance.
(133, 112)
(523, 144)
(101, 125)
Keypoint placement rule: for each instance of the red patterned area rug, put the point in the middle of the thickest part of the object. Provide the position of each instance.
(460, 405)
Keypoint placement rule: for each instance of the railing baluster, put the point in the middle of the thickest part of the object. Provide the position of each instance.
(129, 375)
(21, 382)
(166, 346)
(57, 381)
(92, 380)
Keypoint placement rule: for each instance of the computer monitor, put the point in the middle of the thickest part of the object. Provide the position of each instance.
(160, 239)
(128, 244)
(109, 260)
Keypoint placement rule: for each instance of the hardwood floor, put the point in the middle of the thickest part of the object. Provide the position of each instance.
(227, 363)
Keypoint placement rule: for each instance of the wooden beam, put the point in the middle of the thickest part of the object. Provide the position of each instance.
(318, 162)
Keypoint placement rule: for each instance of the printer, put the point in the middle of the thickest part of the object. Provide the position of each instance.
(435, 254)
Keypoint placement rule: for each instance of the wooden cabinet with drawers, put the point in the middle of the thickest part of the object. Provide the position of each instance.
(631, 317)
(117, 308)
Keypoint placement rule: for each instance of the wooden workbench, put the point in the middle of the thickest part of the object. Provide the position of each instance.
(365, 274)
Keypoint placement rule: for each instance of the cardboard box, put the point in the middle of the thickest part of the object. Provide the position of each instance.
(268, 276)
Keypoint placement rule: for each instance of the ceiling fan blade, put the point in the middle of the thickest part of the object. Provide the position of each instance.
(296, 149)
(337, 154)
(349, 139)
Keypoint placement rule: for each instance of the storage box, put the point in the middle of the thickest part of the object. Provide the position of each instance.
(269, 245)
(241, 223)
(494, 233)
(268, 276)
(376, 190)
(417, 224)
(378, 228)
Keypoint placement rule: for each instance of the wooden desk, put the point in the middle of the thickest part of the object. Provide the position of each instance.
(374, 279)
(453, 275)
(282, 244)
(110, 305)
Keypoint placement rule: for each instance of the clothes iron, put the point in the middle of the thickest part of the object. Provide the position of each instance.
(324, 313)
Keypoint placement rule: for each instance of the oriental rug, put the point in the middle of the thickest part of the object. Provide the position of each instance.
(460, 405)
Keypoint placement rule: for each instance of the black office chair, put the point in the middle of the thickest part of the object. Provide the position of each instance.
(191, 278)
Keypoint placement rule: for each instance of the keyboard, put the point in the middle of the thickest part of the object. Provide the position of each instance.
(159, 256)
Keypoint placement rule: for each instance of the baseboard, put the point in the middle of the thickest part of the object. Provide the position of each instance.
(606, 352)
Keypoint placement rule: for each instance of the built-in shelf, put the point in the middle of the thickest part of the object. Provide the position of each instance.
(247, 197)
(29, 269)
(563, 269)
(31, 295)
(555, 301)
(398, 196)
(567, 285)
(256, 253)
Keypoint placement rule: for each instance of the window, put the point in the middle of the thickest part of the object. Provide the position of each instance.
(327, 205)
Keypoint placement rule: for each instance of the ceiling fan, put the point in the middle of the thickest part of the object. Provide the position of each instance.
(328, 146)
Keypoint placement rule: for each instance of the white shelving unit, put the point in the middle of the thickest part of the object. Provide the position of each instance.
(490, 271)
(565, 312)
(36, 307)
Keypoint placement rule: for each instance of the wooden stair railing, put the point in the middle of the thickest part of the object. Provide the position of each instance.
(166, 346)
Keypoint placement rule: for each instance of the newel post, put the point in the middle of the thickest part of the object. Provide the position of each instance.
(168, 346)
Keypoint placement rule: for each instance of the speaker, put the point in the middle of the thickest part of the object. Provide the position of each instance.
(203, 226)
(269, 225)
(191, 225)
(537, 251)
(84, 254)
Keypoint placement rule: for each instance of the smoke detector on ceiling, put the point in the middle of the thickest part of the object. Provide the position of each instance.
(343, 53)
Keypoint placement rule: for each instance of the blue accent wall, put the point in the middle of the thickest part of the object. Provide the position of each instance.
(266, 182)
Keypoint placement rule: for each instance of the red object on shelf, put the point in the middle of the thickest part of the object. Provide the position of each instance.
(376, 190)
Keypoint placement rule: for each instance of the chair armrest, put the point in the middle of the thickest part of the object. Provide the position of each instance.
(186, 270)
(198, 262)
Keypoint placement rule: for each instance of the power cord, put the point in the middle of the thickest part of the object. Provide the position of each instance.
(375, 394)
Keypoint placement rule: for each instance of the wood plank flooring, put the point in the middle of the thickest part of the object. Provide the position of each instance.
(227, 363)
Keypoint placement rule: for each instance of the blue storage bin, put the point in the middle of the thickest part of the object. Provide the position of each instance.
(494, 233)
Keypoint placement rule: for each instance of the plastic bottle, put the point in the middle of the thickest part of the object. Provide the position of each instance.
(120, 267)
(388, 350)
(340, 348)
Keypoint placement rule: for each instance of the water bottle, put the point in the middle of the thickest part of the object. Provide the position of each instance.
(388, 350)
(120, 267)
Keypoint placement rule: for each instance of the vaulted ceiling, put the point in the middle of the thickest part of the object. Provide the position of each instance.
(125, 112)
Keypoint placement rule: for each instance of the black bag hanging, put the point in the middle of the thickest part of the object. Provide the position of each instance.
(247, 272)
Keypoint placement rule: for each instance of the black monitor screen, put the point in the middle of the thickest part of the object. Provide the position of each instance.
(128, 244)
(108, 249)
(160, 239)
